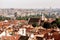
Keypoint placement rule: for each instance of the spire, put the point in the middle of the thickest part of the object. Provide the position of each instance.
(43, 16)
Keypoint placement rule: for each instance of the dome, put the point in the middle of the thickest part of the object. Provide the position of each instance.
(6, 21)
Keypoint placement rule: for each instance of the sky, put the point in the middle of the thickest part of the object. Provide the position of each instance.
(29, 3)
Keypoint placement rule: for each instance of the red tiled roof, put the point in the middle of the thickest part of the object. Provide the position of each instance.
(11, 37)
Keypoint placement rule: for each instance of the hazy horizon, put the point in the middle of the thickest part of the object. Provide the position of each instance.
(30, 4)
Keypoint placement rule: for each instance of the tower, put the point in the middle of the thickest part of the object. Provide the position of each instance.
(43, 17)
(15, 15)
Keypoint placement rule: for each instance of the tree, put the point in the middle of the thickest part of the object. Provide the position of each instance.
(54, 24)
(58, 22)
(35, 24)
(0, 18)
(47, 25)
(18, 18)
